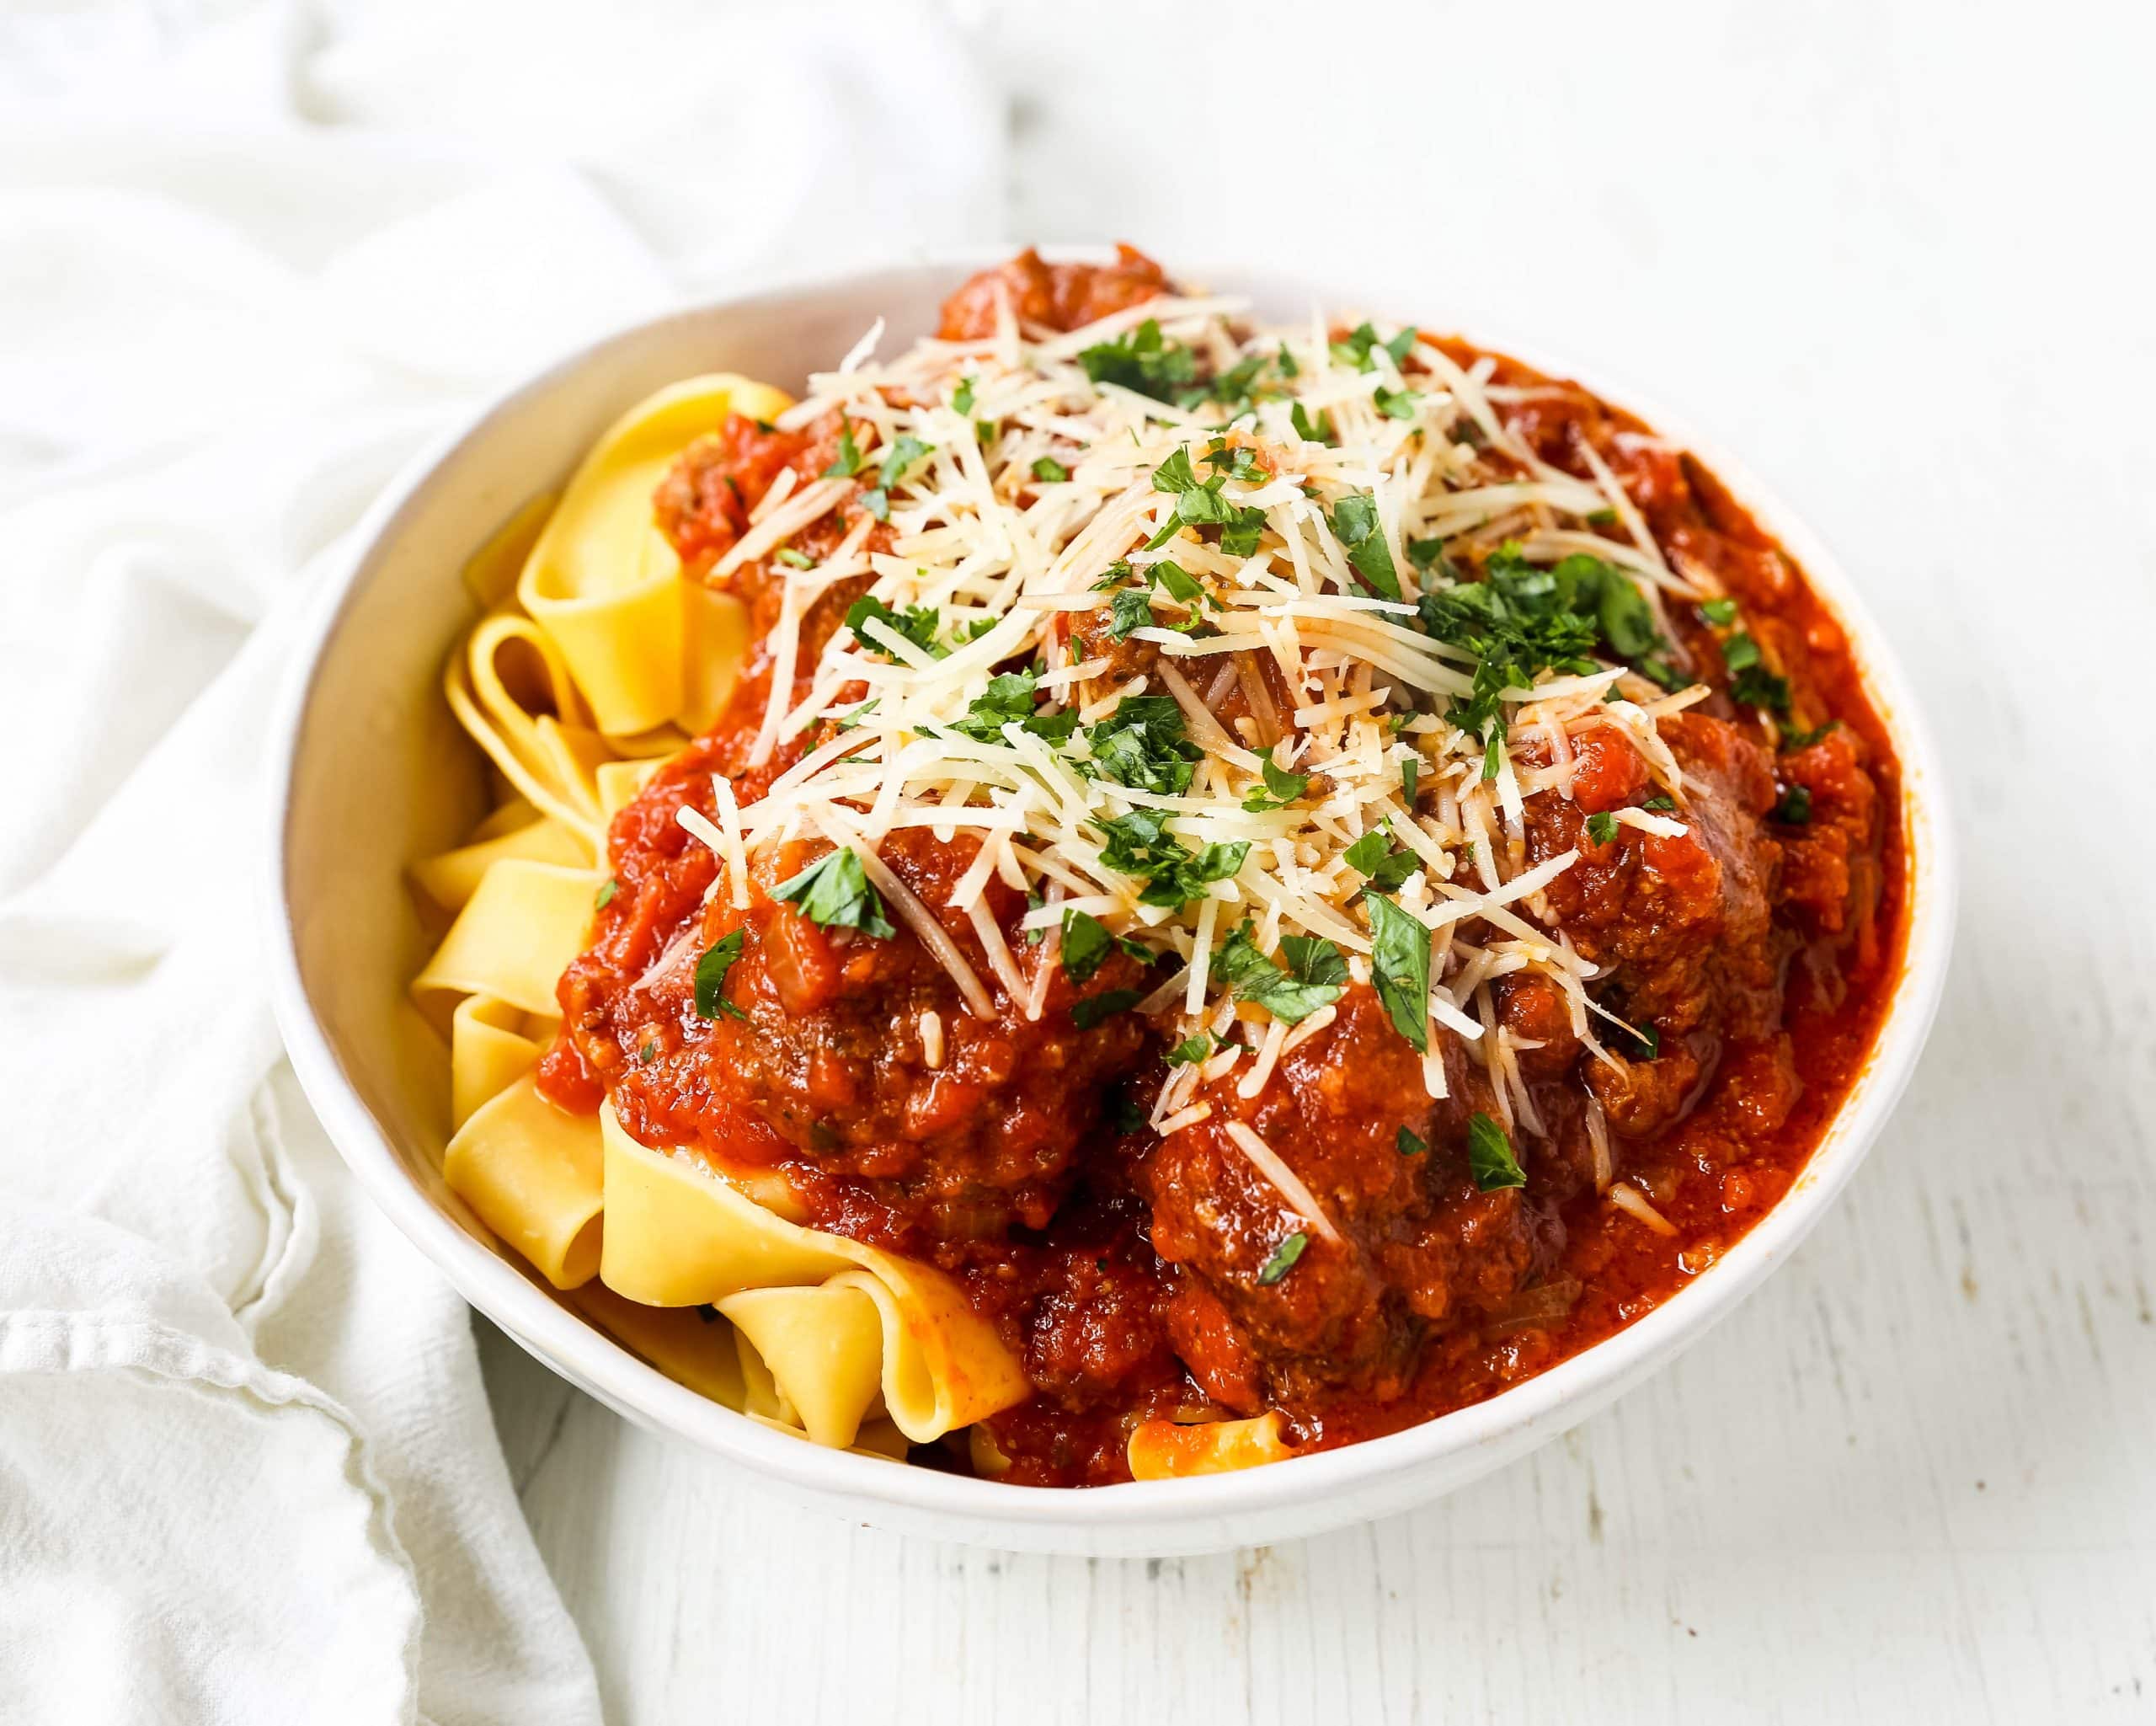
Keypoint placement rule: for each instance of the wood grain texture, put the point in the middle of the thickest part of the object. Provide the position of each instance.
(1900, 256)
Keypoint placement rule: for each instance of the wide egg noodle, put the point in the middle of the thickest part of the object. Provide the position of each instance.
(836, 1323)
(592, 664)
(532, 1174)
(511, 689)
(449, 878)
(490, 1048)
(603, 582)
(513, 939)
(1163, 1450)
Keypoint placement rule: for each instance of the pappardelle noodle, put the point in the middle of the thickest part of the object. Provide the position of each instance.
(1117, 893)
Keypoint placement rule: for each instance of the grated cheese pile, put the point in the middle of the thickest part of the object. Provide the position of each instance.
(1015, 483)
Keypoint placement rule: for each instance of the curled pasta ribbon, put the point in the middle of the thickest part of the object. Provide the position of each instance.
(836, 1323)
(532, 1174)
(510, 688)
(1161, 1450)
(644, 647)
(451, 878)
(513, 939)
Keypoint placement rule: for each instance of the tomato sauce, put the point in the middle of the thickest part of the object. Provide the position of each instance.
(1762, 949)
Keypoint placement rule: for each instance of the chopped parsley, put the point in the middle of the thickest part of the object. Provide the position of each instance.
(1396, 404)
(1236, 461)
(1805, 740)
(1660, 805)
(1428, 555)
(1361, 347)
(1051, 470)
(1123, 1115)
(1740, 652)
(878, 502)
(1601, 827)
(604, 897)
(1372, 855)
(1317, 431)
(1315, 976)
(712, 971)
(1642, 1042)
(1199, 504)
(1409, 1144)
(1400, 966)
(1087, 944)
(849, 456)
(1140, 844)
(1795, 807)
(1008, 700)
(1409, 769)
(1490, 1157)
(1284, 1259)
(797, 559)
(903, 456)
(1521, 619)
(917, 624)
(1095, 1008)
(1757, 687)
(833, 891)
(1180, 583)
(1354, 522)
(1191, 1050)
(962, 397)
(1142, 745)
(1141, 360)
(1282, 787)
(1722, 611)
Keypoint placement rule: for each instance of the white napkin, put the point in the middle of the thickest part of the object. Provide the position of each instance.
(250, 256)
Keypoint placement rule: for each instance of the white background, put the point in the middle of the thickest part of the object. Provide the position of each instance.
(1901, 256)
(1898, 253)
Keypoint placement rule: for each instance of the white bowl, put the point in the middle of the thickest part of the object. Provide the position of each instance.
(370, 771)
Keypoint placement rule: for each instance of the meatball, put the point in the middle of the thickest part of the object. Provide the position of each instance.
(1057, 296)
(857, 1050)
(1418, 1244)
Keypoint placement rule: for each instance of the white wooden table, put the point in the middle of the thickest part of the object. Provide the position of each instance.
(1901, 256)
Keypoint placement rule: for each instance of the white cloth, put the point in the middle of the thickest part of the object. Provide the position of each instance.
(250, 255)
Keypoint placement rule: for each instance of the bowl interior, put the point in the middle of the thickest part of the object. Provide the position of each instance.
(375, 771)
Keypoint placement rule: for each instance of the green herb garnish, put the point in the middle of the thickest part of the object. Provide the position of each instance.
(1094, 1008)
(1282, 1259)
(1601, 827)
(1051, 470)
(604, 897)
(1282, 787)
(1354, 521)
(712, 969)
(1087, 944)
(835, 892)
(1191, 1050)
(1490, 1157)
(1795, 807)
(849, 456)
(1400, 965)
(1408, 1144)
(1315, 976)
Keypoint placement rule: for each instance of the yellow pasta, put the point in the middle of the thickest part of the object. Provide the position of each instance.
(678, 1236)
(451, 878)
(515, 936)
(1161, 1450)
(603, 582)
(488, 1051)
(592, 663)
(532, 1174)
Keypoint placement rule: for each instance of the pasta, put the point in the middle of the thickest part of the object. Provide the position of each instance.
(1126, 896)
(593, 660)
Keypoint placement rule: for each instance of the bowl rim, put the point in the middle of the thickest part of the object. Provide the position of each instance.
(575, 1348)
